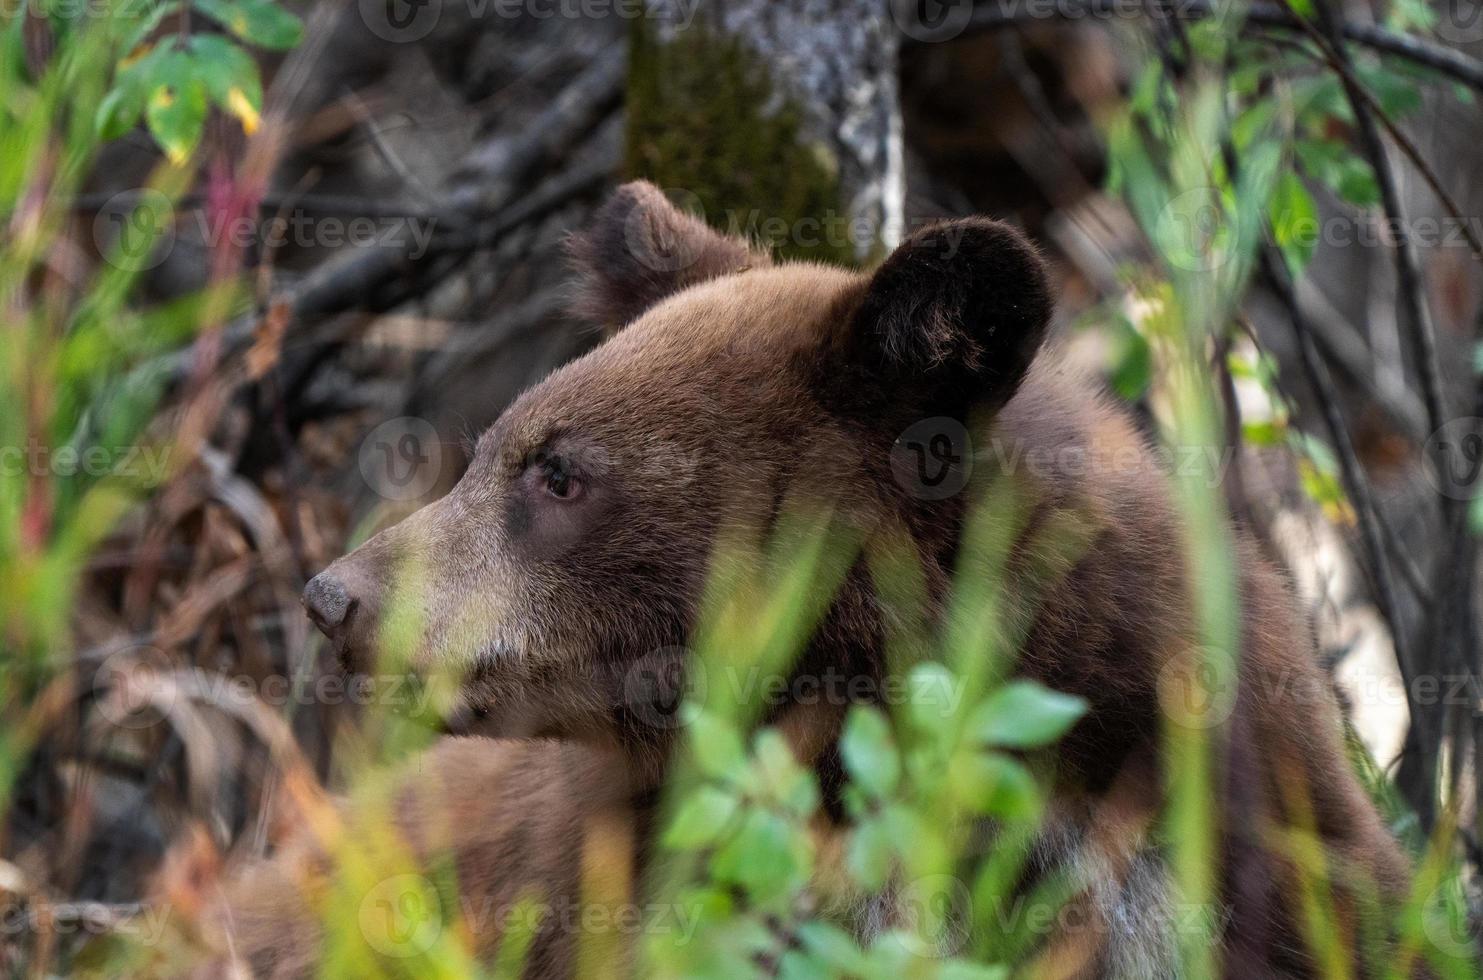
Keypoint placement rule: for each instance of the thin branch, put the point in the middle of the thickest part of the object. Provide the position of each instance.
(1408, 266)
(1454, 64)
(1349, 352)
(394, 163)
(1355, 481)
(1447, 616)
(349, 204)
(1336, 341)
(1459, 66)
(375, 279)
(1366, 111)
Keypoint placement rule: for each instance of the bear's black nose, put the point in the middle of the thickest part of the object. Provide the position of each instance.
(327, 602)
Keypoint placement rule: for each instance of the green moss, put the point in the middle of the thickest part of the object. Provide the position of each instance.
(705, 119)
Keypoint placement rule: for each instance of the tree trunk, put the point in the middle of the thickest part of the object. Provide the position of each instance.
(781, 121)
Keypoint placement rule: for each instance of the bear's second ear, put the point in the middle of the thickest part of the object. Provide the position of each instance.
(640, 248)
(950, 321)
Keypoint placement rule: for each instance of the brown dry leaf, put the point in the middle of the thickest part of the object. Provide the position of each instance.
(204, 598)
(268, 341)
(190, 871)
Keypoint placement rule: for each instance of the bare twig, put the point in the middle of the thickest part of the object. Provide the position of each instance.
(376, 279)
(1443, 653)
(1342, 347)
(363, 114)
(1355, 481)
(350, 204)
(1349, 352)
(1454, 64)
(1366, 112)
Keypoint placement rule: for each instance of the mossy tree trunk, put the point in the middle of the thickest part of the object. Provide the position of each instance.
(778, 120)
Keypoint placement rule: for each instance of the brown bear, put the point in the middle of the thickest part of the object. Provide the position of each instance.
(579, 542)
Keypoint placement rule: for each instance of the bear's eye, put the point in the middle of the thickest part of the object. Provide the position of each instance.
(558, 478)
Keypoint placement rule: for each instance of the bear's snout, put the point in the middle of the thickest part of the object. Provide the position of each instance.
(327, 602)
(342, 602)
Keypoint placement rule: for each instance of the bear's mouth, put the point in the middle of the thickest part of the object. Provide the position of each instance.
(464, 719)
(349, 653)
(474, 709)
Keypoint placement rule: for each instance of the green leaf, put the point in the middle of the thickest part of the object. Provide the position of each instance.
(717, 746)
(933, 692)
(1148, 89)
(1357, 185)
(151, 13)
(1131, 360)
(1320, 158)
(894, 953)
(834, 946)
(119, 111)
(1254, 124)
(965, 970)
(122, 106)
(1398, 95)
(768, 857)
(1316, 450)
(1294, 221)
(870, 853)
(1411, 16)
(176, 105)
(1338, 168)
(1318, 474)
(782, 778)
(1025, 715)
(259, 22)
(1321, 99)
(869, 755)
(1263, 433)
(701, 818)
(796, 965)
(230, 76)
(993, 784)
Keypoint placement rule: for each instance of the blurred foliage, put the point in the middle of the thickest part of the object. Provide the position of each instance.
(741, 837)
(171, 78)
(747, 842)
(81, 373)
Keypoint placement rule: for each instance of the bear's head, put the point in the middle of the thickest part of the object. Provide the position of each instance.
(578, 542)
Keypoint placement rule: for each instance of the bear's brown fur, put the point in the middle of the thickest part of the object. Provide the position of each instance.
(579, 542)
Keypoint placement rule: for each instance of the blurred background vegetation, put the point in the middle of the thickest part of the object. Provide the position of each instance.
(251, 247)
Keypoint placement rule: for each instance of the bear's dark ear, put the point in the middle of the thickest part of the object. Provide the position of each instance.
(640, 248)
(951, 320)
